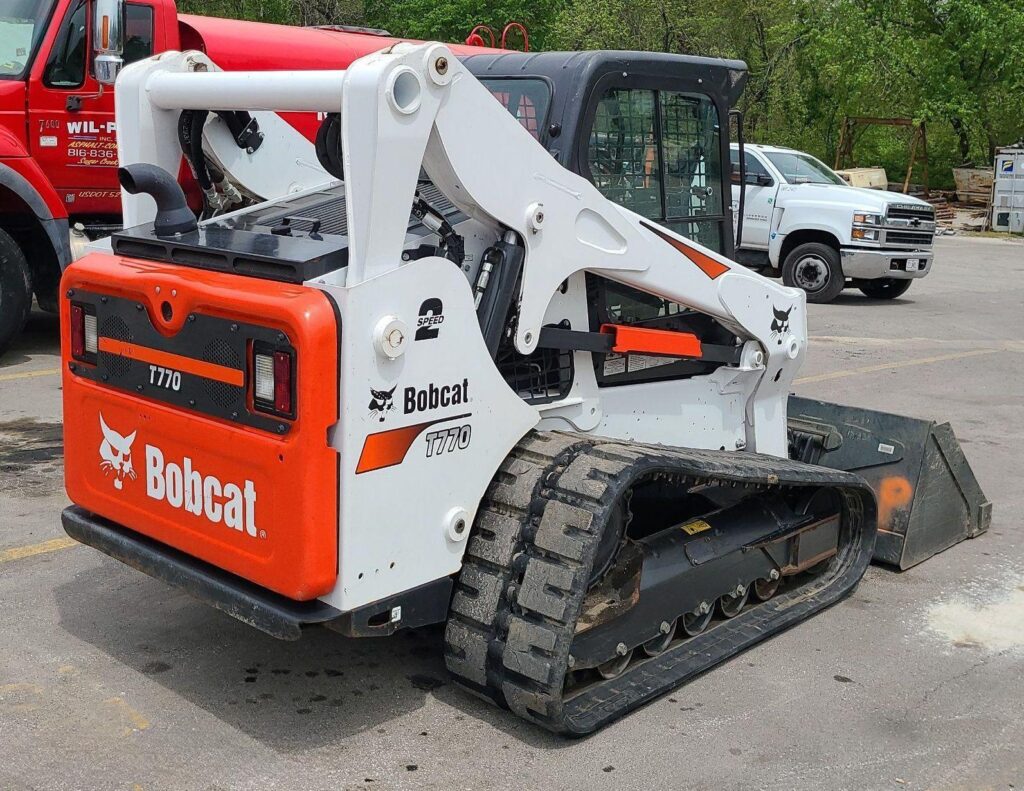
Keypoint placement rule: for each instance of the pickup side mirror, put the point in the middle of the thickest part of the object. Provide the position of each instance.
(760, 179)
(107, 40)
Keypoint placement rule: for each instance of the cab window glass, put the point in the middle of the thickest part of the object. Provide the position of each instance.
(692, 155)
(658, 153)
(526, 99)
(66, 65)
(138, 39)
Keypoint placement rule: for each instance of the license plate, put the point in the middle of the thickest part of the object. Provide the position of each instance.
(913, 264)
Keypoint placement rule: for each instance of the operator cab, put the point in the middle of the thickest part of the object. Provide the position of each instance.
(647, 129)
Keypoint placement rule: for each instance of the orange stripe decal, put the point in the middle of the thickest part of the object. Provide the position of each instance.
(708, 265)
(189, 365)
(388, 448)
(640, 340)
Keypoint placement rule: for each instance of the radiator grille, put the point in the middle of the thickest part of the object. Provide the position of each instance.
(911, 213)
(913, 238)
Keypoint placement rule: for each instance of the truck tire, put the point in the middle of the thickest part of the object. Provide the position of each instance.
(815, 268)
(15, 290)
(884, 287)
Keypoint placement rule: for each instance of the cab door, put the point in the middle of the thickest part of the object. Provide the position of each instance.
(71, 116)
(758, 202)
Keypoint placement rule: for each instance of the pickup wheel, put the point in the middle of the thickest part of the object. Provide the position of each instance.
(15, 290)
(815, 268)
(885, 287)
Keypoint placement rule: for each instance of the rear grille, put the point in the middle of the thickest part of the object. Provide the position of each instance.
(911, 238)
(220, 352)
(906, 212)
(116, 366)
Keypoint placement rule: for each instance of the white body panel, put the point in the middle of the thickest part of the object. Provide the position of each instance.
(393, 527)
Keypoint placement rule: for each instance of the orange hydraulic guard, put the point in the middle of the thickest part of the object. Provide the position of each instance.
(164, 431)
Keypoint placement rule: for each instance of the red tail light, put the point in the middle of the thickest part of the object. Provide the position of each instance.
(83, 333)
(77, 332)
(283, 382)
(273, 380)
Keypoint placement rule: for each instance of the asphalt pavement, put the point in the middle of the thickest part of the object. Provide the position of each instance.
(111, 680)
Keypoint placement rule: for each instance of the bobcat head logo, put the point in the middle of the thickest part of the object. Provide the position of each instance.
(780, 324)
(381, 402)
(116, 454)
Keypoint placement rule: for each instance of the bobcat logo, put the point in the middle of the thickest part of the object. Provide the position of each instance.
(381, 402)
(780, 324)
(116, 454)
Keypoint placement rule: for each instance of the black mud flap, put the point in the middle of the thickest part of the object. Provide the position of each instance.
(928, 497)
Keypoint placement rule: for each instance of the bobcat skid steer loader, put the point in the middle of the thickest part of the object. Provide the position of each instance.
(502, 375)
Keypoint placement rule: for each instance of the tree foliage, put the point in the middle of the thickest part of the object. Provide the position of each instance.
(958, 65)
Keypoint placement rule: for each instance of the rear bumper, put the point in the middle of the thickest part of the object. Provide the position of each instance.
(265, 610)
(262, 609)
(871, 264)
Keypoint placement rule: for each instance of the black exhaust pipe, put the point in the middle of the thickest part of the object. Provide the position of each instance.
(173, 216)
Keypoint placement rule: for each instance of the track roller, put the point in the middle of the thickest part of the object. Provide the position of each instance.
(731, 604)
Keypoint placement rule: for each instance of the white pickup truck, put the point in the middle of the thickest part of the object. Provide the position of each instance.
(802, 222)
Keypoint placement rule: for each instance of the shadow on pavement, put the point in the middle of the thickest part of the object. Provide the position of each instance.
(291, 696)
(856, 300)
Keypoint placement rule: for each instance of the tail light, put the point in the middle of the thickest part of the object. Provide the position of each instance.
(83, 333)
(273, 378)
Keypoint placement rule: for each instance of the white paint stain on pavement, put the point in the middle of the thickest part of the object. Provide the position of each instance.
(995, 626)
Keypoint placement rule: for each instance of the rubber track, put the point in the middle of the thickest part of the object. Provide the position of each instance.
(526, 569)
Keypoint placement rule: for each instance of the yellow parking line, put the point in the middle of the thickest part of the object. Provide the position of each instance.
(868, 369)
(29, 374)
(17, 553)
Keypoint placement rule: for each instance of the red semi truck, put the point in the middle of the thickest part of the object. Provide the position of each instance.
(58, 153)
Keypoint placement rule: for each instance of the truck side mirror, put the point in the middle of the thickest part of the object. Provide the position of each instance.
(107, 40)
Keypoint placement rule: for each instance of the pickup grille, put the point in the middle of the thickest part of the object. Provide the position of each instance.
(909, 238)
(907, 212)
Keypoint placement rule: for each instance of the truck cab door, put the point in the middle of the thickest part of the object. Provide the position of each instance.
(759, 201)
(71, 117)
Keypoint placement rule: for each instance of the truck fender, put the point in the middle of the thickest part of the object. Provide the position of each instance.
(778, 239)
(54, 224)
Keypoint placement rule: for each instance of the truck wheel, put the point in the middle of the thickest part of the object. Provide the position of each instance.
(15, 290)
(815, 268)
(885, 287)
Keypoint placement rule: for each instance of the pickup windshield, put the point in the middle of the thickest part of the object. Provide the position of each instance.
(797, 168)
(22, 23)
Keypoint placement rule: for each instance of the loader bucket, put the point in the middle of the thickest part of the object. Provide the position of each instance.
(928, 497)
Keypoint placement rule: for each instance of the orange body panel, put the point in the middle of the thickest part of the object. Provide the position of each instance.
(253, 502)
